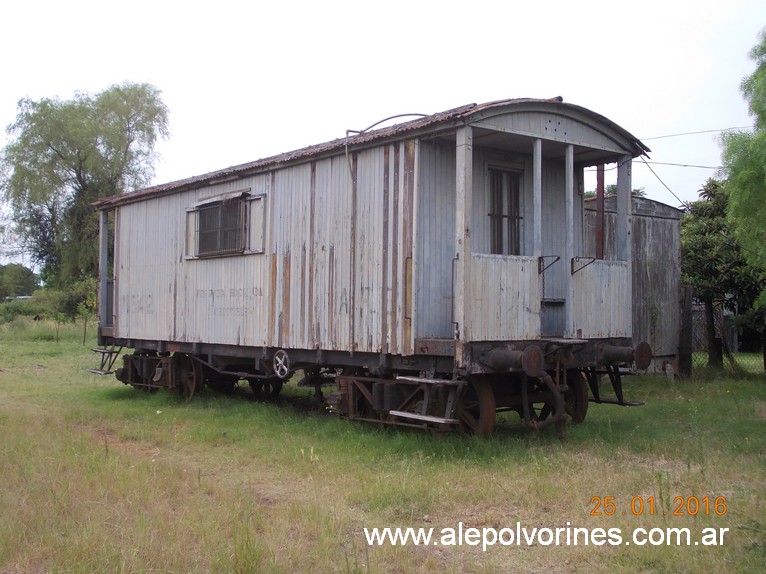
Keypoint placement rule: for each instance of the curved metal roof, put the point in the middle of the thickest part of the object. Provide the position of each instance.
(440, 122)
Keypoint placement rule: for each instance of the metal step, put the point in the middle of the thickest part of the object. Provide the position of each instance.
(616, 402)
(109, 356)
(450, 382)
(424, 418)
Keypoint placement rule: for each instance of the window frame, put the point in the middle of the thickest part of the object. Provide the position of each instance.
(249, 227)
(221, 228)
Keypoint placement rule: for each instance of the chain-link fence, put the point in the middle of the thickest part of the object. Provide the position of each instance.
(741, 351)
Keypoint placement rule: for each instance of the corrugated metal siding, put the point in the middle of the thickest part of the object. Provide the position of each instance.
(435, 240)
(300, 292)
(329, 309)
(290, 223)
(385, 181)
(145, 274)
(504, 302)
(370, 251)
(598, 308)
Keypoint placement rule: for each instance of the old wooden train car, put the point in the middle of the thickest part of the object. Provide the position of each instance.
(434, 269)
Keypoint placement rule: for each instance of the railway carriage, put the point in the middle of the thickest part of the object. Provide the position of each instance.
(433, 269)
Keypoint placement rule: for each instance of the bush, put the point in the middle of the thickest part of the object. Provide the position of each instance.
(77, 302)
(10, 310)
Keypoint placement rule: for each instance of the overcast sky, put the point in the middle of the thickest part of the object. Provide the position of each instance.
(245, 80)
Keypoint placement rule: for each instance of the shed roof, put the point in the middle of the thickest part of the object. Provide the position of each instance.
(441, 121)
(642, 206)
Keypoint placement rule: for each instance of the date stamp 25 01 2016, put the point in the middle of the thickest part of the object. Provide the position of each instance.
(647, 505)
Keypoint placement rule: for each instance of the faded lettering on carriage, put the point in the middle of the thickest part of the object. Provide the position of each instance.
(232, 302)
(139, 303)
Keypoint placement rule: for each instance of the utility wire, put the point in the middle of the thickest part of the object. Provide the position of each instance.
(695, 133)
(685, 165)
(668, 163)
(684, 203)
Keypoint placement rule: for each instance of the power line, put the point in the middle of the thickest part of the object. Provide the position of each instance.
(684, 203)
(667, 163)
(698, 132)
(684, 165)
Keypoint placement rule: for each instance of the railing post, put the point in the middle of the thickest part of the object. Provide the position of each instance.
(103, 269)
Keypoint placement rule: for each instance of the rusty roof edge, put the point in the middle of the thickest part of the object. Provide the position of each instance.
(426, 123)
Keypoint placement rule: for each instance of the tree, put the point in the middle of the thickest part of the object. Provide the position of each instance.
(611, 189)
(16, 280)
(62, 156)
(744, 164)
(713, 264)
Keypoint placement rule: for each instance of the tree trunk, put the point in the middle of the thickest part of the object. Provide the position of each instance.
(714, 354)
(763, 348)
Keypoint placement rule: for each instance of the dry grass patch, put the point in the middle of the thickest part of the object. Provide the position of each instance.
(100, 477)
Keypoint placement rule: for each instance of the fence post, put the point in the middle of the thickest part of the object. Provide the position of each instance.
(685, 334)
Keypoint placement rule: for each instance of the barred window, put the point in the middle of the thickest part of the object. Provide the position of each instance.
(227, 225)
(221, 228)
(505, 212)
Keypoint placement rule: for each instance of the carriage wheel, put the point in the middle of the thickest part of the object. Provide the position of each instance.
(476, 408)
(190, 379)
(266, 388)
(576, 398)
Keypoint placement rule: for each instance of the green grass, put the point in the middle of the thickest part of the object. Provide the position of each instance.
(98, 476)
(740, 364)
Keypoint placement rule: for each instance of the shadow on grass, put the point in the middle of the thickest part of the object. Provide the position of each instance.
(673, 414)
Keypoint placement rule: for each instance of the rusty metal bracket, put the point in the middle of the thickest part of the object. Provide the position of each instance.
(581, 267)
(542, 267)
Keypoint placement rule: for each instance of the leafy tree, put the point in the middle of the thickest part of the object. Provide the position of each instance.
(713, 263)
(16, 280)
(62, 156)
(611, 189)
(744, 163)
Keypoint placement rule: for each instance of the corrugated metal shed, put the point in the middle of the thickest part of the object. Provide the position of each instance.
(656, 238)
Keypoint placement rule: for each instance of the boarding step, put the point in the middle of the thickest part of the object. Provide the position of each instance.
(450, 382)
(100, 372)
(108, 357)
(423, 418)
(616, 402)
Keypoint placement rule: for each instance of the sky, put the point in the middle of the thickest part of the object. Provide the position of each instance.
(246, 80)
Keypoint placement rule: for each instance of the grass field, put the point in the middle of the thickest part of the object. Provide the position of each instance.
(100, 477)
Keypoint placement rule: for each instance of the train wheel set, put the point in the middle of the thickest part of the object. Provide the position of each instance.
(189, 375)
(468, 405)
